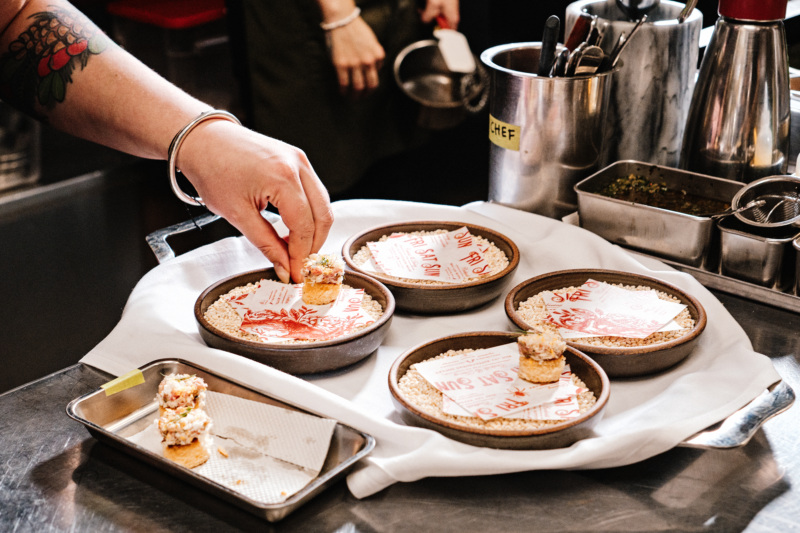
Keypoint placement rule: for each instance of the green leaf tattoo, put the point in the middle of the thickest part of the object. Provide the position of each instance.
(39, 64)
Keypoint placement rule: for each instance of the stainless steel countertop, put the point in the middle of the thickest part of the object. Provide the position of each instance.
(55, 477)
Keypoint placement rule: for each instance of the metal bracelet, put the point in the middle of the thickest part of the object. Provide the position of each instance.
(174, 146)
(328, 26)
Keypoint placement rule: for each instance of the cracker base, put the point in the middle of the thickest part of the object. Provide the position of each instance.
(548, 371)
(189, 455)
(320, 293)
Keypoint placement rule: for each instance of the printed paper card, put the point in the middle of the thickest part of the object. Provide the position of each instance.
(569, 334)
(264, 452)
(276, 312)
(448, 257)
(601, 309)
(564, 407)
(485, 382)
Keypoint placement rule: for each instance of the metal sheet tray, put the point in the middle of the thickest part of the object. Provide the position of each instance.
(112, 418)
(739, 428)
(744, 289)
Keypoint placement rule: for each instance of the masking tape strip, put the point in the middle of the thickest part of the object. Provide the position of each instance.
(503, 134)
(126, 381)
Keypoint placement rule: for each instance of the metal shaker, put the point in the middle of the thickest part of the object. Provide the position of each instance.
(738, 124)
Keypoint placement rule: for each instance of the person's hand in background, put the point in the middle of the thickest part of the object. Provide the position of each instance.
(448, 9)
(355, 51)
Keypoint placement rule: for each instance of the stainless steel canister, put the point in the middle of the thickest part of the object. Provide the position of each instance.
(652, 91)
(546, 133)
(20, 148)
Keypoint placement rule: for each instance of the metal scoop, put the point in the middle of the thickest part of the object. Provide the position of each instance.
(731, 211)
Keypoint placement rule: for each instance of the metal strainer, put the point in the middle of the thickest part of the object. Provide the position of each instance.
(781, 207)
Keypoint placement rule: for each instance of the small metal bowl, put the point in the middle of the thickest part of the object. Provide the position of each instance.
(616, 361)
(430, 299)
(782, 202)
(759, 255)
(305, 358)
(555, 436)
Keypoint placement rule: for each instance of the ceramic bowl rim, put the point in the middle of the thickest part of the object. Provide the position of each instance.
(384, 229)
(378, 287)
(699, 316)
(399, 396)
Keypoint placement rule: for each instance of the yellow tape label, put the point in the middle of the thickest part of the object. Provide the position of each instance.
(503, 134)
(126, 381)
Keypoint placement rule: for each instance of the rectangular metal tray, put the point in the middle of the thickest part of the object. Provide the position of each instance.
(112, 418)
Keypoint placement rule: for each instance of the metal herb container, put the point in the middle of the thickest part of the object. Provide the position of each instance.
(762, 256)
(688, 239)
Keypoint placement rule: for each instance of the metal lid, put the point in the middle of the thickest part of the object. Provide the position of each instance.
(753, 10)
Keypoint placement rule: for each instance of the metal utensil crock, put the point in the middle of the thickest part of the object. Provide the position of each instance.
(546, 133)
(653, 89)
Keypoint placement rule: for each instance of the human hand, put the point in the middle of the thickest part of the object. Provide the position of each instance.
(238, 173)
(357, 57)
(446, 8)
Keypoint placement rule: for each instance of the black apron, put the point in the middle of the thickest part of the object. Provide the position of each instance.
(295, 93)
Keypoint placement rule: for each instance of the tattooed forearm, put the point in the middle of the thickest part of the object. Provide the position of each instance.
(40, 62)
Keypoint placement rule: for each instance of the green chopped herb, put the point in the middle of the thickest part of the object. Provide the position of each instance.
(640, 190)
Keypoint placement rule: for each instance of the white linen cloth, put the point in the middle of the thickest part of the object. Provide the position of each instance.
(644, 417)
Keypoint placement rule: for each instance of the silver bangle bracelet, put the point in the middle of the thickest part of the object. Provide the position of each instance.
(174, 146)
(328, 26)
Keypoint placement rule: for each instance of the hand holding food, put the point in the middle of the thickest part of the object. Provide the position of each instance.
(259, 171)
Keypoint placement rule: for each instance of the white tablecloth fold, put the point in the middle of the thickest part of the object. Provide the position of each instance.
(644, 416)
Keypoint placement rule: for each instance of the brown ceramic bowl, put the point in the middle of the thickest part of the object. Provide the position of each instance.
(616, 361)
(432, 299)
(307, 358)
(555, 436)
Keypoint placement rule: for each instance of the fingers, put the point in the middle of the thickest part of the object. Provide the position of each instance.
(446, 8)
(238, 173)
(371, 75)
(320, 205)
(450, 12)
(304, 206)
(264, 237)
(357, 57)
(358, 81)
